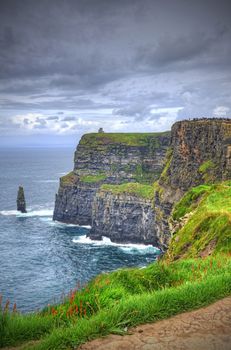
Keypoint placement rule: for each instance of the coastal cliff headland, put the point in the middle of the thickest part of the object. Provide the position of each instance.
(125, 185)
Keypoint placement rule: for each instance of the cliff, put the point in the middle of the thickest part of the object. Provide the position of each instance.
(199, 153)
(111, 186)
(124, 213)
(112, 159)
(122, 157)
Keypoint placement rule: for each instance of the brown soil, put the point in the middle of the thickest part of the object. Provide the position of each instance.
(204, 329)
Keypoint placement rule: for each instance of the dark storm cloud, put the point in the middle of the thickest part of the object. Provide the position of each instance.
(126, 57)
(79, 43)
(185, 49)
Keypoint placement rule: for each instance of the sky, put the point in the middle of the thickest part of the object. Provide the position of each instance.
(69, 67)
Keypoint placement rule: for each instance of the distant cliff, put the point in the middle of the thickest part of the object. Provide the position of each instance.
(112, 159)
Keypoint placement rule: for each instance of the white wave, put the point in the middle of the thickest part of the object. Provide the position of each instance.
(30, 213)
(9, 212)
(129, 248)
(148, 249)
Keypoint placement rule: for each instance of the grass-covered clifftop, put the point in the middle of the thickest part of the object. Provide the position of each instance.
(128, 139)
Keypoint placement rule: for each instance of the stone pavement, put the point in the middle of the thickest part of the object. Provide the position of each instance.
(204, 329)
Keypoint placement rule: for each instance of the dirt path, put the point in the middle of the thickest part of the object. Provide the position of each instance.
(204, 329)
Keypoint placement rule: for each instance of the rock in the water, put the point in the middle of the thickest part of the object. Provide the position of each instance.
(21, 202)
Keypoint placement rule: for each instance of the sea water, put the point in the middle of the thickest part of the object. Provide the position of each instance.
(41, 259)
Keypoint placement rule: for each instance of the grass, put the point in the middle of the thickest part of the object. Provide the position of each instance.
(136, 189)
(121, 299)
(209, 226)
(190, 201)
(129, 139)
(93, 178)
(72, 179)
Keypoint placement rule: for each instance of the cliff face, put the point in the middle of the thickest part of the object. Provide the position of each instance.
(122, 157)
(111, 159)
(74, 200)
(123, 218)
(126, 213)
(201, 153)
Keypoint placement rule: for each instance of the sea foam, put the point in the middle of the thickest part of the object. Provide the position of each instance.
(129, 248)
(30, 213)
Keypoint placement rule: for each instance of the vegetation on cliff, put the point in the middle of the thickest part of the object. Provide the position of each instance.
(72, 178)
(93, 178)
(135, 189)
(206, 213)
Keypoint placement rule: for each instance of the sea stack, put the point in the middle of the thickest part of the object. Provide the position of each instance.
(21, 202)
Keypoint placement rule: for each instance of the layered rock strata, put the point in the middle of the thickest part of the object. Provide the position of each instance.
(112, 159)
(123, 217)
(200, 152)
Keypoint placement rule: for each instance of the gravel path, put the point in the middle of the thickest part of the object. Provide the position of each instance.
(204, 329)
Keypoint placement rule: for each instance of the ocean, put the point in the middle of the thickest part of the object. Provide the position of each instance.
(40, 260)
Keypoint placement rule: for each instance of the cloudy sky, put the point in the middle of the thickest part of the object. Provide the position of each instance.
(68, 67)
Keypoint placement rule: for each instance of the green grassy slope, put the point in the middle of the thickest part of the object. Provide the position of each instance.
(121, 299)
(208, 227)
